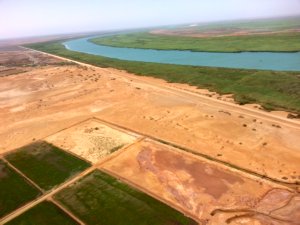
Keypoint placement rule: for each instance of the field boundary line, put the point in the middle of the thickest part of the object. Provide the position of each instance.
(23, 175)
(42, 138)
(70, 214)
(51, 192)
(91, 118)
(118, 152)
(208, 157)
(147, 192)
(117, 127)
(45, 196)
(214, 163)
(132, 134)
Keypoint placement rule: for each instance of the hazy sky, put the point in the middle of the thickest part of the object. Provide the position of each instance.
(20, 18)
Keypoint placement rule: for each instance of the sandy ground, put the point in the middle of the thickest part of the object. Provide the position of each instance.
(211, 193)
(46, 99)
(91, 140)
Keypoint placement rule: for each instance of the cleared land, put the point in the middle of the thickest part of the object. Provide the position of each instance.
(101, 199)
(15, 60)
(212, 193)
(46, 164)
(15, 191)
(17, 56)
(47, 99)
(278, 42)
(45, 213)
(91, 140)
(273, 90)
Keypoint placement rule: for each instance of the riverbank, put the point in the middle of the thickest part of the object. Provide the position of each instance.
(55, 97)
(278, 42)
(280, 61)
(272, 90)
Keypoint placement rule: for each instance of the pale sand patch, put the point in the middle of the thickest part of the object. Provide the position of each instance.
(252, 139)
(17, 109)
(91, 140)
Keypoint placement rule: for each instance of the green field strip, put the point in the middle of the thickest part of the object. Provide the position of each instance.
(15, 190)
(99, 198)
(45, 164)
(45, 213)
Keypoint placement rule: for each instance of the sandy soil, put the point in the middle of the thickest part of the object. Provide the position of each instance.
(46, 99)
(209, 192)
(91, 140)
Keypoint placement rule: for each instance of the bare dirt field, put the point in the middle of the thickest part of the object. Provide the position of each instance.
(45, 99)
(15, 60)
(91, 140)
(211, 193)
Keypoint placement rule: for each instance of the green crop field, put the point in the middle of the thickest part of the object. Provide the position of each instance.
(45, 213)
(15, 191)
(273, 90)
(281, 42)
(101, 199)
(45, 164)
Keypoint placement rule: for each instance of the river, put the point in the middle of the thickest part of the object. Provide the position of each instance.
(245, 60)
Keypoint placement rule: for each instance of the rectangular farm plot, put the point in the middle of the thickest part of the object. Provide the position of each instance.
(91, 140)
(99, 199)
(46, 164)
(45, 213)
(15, 191)
(197, 186)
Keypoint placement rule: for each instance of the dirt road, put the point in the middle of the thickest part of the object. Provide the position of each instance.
(190, 96)
(46, 99)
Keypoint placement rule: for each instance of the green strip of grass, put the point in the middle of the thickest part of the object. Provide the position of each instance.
(45, 213)
(273, 90)
(101, 199)
(45, 164)
(15, 191)
(280, 42)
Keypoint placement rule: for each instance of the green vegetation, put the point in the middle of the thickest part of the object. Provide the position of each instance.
(115, 148)
(15, 191)
(273, 90)
(45, 164)
(285, 40)
(273, 24)
(280, 42)
(45, 213)
(101, 199)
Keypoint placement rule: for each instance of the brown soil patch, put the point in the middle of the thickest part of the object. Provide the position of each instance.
(91, 140)
(198, 170)
(21, 57)
(46, 99)
(205, 190)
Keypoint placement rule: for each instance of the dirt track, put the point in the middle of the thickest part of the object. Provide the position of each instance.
(48, 195)
(201, 189)
(46, 99)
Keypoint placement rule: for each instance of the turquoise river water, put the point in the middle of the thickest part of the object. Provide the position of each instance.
(244, 60)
